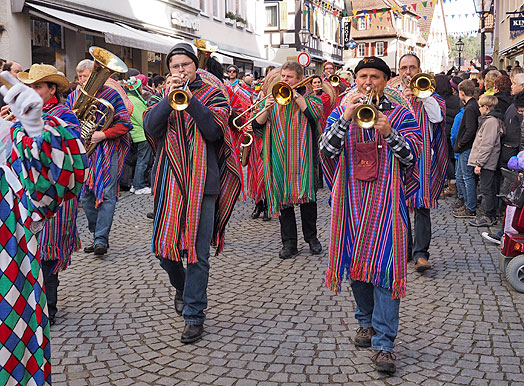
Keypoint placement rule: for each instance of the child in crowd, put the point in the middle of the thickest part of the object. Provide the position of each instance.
(484, 158)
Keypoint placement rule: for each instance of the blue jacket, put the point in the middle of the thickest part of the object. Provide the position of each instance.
(455, 128)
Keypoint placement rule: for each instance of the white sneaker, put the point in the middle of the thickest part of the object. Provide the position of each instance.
(146, 190)
(491, 237)
(132, 189)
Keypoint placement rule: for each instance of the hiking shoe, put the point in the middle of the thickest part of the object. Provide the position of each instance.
(481, 221)
(89, 248)
(464, 213)
(384, 361)
(288, 253)
(459, 203)
(100, 249)
(422, 264)
(491, 237)
(363, 337)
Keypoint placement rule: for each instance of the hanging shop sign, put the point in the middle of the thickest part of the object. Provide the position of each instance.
(516, 24)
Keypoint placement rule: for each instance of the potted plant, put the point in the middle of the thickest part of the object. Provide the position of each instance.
(230, 17)
(241, 21)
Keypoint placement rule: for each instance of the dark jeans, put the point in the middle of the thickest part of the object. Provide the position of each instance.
(193, 280)
(143, 156)
(419, 245)
(99, 220)
(376, 308)
(51, 283)
(288, 224)
(488, 189)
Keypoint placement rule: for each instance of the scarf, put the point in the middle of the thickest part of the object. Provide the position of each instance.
(368, 238)
(288, 154)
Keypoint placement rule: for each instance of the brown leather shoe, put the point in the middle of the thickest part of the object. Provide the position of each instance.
(363, 336)
(384, 361)
(422, 264)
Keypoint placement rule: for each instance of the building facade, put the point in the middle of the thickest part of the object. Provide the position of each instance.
(60, 32)
(510, 44)
(323, 20)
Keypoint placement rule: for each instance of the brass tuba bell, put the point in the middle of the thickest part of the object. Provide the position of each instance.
(366, 115)
(422, 85)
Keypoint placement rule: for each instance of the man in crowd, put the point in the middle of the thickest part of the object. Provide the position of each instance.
(328, 69)
(290, 142)
(430, 112)
(105, 163)
(465, 137)
(42, 164)
(59, 237)
(370, 172)
(195, 190)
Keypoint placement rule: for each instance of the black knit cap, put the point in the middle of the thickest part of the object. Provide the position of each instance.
(182, 49)
(374, 62)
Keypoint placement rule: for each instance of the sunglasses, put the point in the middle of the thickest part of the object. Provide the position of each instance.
(231, 70)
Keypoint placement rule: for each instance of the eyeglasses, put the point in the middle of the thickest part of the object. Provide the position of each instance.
(180, 66)
(405, 68)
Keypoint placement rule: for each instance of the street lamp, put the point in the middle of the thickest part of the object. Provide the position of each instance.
(460, 47)
(304, 34)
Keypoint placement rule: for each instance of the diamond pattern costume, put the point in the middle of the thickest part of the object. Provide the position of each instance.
(39, 174)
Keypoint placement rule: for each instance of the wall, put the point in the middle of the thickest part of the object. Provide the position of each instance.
(13, 41)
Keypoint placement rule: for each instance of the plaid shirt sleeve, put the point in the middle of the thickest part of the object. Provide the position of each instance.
(400, 148)
(333, 138)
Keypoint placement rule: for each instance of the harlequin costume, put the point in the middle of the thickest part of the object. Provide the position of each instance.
(36, 177)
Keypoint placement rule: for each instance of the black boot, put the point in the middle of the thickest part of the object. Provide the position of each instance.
(266, 216)
(51, 289)
(259, 207)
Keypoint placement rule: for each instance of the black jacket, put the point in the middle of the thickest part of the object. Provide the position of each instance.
(468, 127)
(505, 100)
(453, 106)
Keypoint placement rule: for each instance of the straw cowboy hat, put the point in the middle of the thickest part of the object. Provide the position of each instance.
(44, 73)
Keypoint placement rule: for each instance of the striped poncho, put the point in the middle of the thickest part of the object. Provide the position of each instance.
(433, 161)
(368, 238)
(99, 175)
(288, 154)
(59, 237)
(41, 172)
(181, 175)
(255, 172)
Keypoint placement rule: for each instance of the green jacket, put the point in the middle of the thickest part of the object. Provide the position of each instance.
(137, 133)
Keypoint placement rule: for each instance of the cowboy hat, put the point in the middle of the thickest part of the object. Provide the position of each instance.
(44, 73)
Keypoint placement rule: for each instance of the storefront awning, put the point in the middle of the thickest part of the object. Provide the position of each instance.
(257, 62)
(512, 49)
(119, 34)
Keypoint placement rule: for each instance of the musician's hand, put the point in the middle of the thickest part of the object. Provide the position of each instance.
(4, 111)
(98, 136)
(270, 101)
(300, 100)
(383, 126)
(352, 103)
(477, 170)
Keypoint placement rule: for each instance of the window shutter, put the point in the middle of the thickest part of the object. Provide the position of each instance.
(372, 49)
(385, 48)
(366, 51)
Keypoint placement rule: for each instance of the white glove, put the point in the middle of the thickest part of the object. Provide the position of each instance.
(25, 104)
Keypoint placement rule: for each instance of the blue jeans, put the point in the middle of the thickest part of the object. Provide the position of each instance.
(100, 219)
(376, 308)
(193, 280)
(469, 181)
(143, 156)
(461, 188)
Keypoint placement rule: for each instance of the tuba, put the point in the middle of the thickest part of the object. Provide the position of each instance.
(87, 106)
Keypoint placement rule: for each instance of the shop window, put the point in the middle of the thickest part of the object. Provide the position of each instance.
(272, 16)
(379, 48)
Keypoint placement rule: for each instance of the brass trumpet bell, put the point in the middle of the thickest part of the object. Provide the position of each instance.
(334, 80)
(423, 85)
(282, 93)
(366, 115)
(178, 100)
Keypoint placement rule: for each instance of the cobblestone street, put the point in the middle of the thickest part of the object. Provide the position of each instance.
(273, 322)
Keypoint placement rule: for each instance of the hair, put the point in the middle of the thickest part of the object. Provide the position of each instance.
(234, 67)
(519, 99)
(484, 72)
(489, 79)
(443, 88)
(268, 69)
(519, 79)
(326, 63)
(489, 100)
(410, 54)
(214, 67)
(503, 84)
(8, 65)
(241, 74)
(132, 72)
(84, 65)
(515, 71)
(467, 87)
(293, 66)
(157, 80)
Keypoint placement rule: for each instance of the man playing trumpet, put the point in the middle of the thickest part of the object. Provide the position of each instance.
(430, 111)
(370, 172)
(290, 140)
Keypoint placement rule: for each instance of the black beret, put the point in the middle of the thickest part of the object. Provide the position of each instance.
(374, 62)
(183, 49)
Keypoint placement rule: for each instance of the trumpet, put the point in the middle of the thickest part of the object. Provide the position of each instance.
(245, 148)
(366, 115)
(179, 98)
(334, 80)
(423, 85)
(283, 94)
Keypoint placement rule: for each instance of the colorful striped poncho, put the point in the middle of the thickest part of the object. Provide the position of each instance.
(368, 238)
(180, 178)
(255, 172)
(59, 237)
(433, 161)
(287, 153)
(99, 175)
(39, 175)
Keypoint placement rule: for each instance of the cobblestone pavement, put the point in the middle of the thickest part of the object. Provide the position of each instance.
(272, 322)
